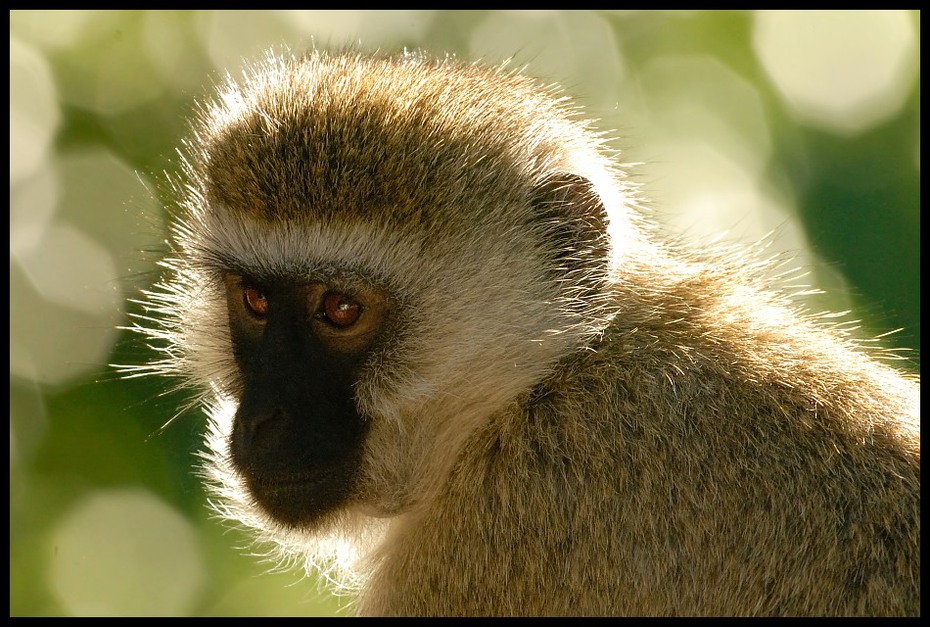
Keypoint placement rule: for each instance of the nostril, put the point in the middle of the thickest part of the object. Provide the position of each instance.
(252, 429)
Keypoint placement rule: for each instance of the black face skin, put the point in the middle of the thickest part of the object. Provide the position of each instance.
(297, 435)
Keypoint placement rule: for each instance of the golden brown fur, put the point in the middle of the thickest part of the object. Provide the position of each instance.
(686, 466)
(568, 417)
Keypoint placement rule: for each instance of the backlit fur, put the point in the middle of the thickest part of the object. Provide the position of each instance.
(663, 435)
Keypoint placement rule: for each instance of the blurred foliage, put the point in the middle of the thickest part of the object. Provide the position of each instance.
(713, 102)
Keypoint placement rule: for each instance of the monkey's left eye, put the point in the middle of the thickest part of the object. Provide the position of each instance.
(339, 310)
(255, 301)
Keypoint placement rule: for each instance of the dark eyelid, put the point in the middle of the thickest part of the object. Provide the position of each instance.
(247, 282)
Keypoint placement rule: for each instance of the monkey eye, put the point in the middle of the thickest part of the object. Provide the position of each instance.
(339, 310)
(255, 301)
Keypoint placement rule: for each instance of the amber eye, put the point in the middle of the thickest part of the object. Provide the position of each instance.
(340, 310)
(255, 301)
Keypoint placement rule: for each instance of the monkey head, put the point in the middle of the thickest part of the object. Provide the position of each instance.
(372, 255)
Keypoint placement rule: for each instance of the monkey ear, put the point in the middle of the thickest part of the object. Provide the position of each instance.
(572, 197)
(574, 220)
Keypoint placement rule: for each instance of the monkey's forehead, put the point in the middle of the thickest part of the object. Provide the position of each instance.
(222, 240)
(377, 137)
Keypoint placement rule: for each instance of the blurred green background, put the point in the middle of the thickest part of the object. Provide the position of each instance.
(804, 125)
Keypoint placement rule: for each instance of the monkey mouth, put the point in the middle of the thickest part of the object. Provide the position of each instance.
(301, 498)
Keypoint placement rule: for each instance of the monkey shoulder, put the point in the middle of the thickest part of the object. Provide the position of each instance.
(684, 461)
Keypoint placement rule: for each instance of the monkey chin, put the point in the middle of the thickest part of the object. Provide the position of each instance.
(300, 500)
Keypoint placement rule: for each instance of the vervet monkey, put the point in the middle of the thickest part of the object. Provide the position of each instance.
(442, 347)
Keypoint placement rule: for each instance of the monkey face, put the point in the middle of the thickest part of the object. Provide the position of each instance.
(366, 268)
(297, 433)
